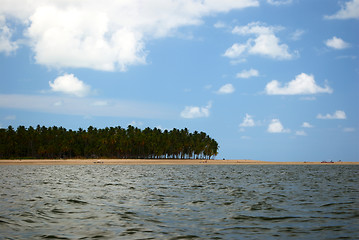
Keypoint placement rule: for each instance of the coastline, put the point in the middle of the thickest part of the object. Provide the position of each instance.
(157, 162)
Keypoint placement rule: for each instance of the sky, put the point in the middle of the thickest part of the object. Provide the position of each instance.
(274, 80)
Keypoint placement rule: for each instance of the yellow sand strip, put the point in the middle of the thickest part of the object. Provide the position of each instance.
(157, 161)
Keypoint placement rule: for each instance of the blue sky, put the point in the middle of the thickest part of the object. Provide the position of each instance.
(272, 80)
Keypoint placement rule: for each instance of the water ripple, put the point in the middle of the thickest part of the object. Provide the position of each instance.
(179, 202)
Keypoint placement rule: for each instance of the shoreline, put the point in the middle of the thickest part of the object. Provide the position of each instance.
(157, 162)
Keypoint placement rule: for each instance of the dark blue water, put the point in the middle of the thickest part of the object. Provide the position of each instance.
(179, 202)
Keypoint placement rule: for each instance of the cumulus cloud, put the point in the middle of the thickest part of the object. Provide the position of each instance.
(82, 38)
(268, 45)
(302, 84)
(6, 44)
(265, 43)
(348, 10)
(307, 125)
(275, 126)
(236, 50)
(337, 43)
(248, 73)
(226, 89)
(337, 115)
(196, 112)
(247, 121)
(111, 36)
(69, 84)
(278, 2)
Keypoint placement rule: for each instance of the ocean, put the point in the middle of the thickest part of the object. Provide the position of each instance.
(179, 202)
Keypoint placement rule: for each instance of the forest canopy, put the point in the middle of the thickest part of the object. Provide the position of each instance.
(114, 142)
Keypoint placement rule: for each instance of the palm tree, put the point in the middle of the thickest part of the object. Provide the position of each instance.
(57, 142)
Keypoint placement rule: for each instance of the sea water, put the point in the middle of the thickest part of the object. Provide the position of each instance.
(179, 202)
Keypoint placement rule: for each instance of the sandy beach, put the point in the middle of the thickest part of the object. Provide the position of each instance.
(156, 161)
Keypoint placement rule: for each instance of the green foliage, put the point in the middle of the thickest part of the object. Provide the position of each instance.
(113, 142)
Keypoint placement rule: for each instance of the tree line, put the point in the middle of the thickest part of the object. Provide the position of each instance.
(111, 142)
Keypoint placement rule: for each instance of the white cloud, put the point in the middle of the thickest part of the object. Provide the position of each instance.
(307, 125)
(337, 43)
(70, 84)
(85, 106)
(82, 37)
(278, 2)
(236, 50)
(337, 115)
(300, 133)
(247, 121)
(348, 10)
(268, 45)
(226, 89)
(111, 36)
(6, 45)
(256, 28)
(275, 126)
(302, 84)
(196, 112)
(265, 43)
(248, 73)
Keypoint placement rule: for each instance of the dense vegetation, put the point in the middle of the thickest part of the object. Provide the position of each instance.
(113, 142)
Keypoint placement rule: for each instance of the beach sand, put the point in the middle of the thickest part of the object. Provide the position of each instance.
(156, 161)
